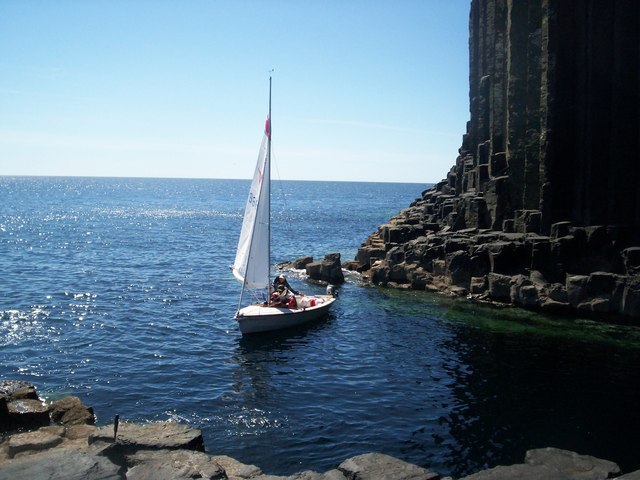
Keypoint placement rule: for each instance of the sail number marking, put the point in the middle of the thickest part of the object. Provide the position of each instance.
(253, 200)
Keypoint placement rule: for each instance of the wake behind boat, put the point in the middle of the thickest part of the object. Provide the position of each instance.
(253, 259)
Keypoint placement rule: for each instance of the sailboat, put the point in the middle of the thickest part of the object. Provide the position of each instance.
(253, 258)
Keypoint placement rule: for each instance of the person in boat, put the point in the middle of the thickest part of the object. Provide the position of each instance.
(282, 297)
(282, 280)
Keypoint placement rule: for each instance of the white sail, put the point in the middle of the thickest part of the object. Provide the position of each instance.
(251, 265)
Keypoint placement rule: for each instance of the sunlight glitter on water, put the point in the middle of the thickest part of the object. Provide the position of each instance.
(139, 323)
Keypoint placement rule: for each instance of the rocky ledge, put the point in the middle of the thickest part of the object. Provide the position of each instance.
(71, 447)
(586, 271)
(328, 270)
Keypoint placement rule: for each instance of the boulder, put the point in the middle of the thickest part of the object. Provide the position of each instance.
(26, 413)
(367, 254)
(631, 298)
(560, 229)
(398, 273)
(352, 266)
(499, 287)
(478, 285)
(631, 260)
(479, 263)
(458, 268)
(71, 411)
(61, 464)
(551, 464)
(518, 472)
(553, 306)
(302, 262)
(601, 283)
(328, 270)
(455, 244)
(576, 286)
(17, 389)
(376, 466)
(418, 277)
(162, 435)
(236, 469)
(379, 273)
(573, 465)
(502, 257)
(172, 465)
(523, 293)
(20, 406)
(526, 221)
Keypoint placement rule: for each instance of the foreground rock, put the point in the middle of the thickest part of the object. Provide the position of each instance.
(553, 464)
(372, 466)
(61, 453)
(171, 451)
(21, 408)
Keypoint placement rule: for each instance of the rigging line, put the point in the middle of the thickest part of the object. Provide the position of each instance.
(284, 198)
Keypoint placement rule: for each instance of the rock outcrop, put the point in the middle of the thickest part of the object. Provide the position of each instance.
(172, 451)
(21, 408)
(328, 270)
(542, 208)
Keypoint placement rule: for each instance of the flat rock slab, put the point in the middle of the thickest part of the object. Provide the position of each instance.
(17, 389)
(25, 413)
(306, 475)
(377, 466)
(519, 472)
(27, 406)
(235, 469)
(173, 465)
(151, 436)
(574, 465)
(34, 441)
(60, 464)
(630, 476)
(552, 464)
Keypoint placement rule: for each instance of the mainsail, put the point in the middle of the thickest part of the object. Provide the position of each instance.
(251, 266)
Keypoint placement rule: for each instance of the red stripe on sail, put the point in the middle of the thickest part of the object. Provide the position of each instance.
(267, 128)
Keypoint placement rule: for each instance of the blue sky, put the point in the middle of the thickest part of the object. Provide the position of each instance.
(362, 90)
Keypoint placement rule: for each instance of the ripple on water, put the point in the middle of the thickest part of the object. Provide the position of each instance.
(118, 291)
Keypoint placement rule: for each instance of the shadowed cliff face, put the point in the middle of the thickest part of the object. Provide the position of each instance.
(542, 207)
(554, 102)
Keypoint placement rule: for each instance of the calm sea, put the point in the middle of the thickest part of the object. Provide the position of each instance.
(119, 291)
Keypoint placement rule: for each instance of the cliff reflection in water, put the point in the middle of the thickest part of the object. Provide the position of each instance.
(521, 385)
(451, 386)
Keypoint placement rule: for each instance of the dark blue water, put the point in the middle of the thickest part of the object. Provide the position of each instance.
(119, 291)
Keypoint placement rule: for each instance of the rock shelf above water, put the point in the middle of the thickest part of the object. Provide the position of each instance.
(587, 271)
(73, 448)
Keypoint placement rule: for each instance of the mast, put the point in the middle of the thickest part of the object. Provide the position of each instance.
(257, 221)
(268, 178)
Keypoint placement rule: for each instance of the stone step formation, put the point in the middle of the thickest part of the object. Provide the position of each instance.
(72, 447)
(542, 206)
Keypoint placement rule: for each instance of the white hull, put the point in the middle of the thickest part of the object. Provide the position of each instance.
(259, 318)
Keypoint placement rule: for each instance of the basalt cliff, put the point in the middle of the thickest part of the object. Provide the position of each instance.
(542, 206)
